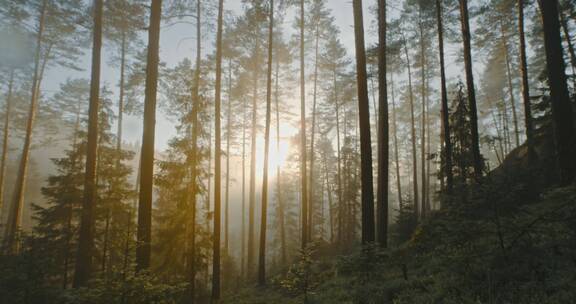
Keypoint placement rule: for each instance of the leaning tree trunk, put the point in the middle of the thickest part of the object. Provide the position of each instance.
(264, 214)
(364, 121)
(561, 105)
(86, 233)
(217, 160)
(303, 181)
(413, 132)
(143, 249)
(477, 158)
(14, 217)
(383, 135)
(444, 94)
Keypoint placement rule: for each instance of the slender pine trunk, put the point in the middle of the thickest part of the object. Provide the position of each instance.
(444, 93)
(264, 212)
(217, 160)
(303, 162)
(413, 132)
(525, 84)
(383, 129)
(311, 208)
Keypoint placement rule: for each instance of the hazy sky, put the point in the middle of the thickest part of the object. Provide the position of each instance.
(174, 49)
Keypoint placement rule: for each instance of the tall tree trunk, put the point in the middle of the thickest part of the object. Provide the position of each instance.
(413, 132)
(14, 217)
(383, 135)
(217, 159)
(422, 118)
(444, 94)
(264, 214)
(86, 232)
(510, 86)
(147, 154)
(311, 207)
(561, 104)
(252, 198)
(396, 154)
(364, 121)
(121, 94)
(5, 136)
(243, 231)
(281, 211)
(339, 159)
(477, 158)
(304, 181)
(525, 86)
(228, 138)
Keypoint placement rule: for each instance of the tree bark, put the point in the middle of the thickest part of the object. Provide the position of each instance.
(143, 249)
(264, 214)
(368, 232)
(561, 105)
(86, 232)
(477, 158)
(383, 129)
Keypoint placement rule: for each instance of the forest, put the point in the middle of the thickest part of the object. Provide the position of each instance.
(288, 151)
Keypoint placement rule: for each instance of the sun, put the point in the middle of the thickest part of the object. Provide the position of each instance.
(279, 151)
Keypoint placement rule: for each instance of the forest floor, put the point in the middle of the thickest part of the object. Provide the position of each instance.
(510, 239)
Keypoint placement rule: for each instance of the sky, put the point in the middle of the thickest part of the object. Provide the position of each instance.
(176, 44)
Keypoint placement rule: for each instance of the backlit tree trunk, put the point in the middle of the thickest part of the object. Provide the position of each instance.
(364, 120)
(86, 232)
(217, 158)
(143, 249)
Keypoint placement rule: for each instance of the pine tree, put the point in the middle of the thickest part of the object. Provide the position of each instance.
(147, 156)
(365, 142)
(84, 265)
